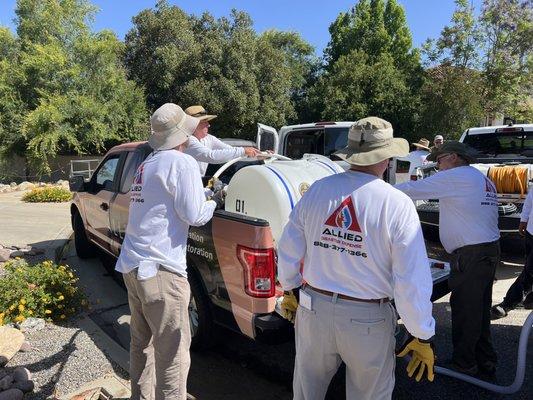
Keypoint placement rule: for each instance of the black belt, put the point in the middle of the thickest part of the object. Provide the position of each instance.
(345, 297)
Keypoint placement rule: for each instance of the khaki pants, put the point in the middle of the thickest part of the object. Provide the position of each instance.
(160, 335)
(335, 330)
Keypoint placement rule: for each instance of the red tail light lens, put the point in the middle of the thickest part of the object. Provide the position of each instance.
(259, 271)
(414, 177)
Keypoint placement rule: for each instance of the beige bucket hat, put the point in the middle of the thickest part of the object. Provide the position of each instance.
(170, 127)
(370, 141)
(200, 113)
(422, 144)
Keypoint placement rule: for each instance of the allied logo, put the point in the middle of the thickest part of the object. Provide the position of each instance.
(344, 217)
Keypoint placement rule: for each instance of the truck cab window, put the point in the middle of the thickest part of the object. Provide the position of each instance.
(106, 173)
(336, 139)
(133, 160)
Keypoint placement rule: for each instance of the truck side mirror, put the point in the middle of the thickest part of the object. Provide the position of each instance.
(77, 184)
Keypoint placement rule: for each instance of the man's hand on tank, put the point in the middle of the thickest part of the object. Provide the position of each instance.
(251, 151)
(219, 198)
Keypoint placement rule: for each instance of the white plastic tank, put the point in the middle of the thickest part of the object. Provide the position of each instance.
(270, 191)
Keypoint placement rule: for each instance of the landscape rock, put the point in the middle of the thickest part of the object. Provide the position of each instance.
(32, 324)
(6, 382)
(12, 394)
(21, 374)
(25, 387)
(13, 184)
(26, 347)
(10, 342)
(25, 186)
(5, 254)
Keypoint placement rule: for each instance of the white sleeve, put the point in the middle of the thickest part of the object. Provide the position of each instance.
(292, 248)
(190, 203)
(434, 187)
(526, 209)
(412, 279)
(203, 153)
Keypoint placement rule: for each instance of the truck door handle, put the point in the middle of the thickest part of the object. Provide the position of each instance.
(104, 206)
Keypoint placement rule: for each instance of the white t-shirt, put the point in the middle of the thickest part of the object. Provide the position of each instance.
(359, 236)
(468, 205)
(166, 197)
(416, 158)
(211, 150)
(527, 208)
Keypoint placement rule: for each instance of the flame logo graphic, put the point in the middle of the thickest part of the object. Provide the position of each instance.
(343, 218)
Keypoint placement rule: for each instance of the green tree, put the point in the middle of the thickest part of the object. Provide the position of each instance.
(71, 84)
(452, 90)
(356, 88)
(11, 105)
(371, 68)
(376, 26)
(507, 28)
(219, 63)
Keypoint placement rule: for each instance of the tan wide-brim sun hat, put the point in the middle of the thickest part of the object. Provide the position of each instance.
(422, 144)
(170, 127)
(453, 146)
(200, 113)
(370, 141)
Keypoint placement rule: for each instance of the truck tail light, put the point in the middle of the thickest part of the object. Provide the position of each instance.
(414, 177)
(259, 271)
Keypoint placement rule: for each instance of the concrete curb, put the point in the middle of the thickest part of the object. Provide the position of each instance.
(111, 348)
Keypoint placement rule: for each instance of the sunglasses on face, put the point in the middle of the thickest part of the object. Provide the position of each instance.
(439, 159)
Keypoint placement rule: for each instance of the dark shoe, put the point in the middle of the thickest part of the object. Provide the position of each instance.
(528, 302)
(498, 311)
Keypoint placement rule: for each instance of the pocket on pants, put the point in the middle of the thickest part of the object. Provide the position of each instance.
(369, 327)
(150, 290)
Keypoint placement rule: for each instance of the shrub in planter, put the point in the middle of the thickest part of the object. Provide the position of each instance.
(48, 194)
(43, 290)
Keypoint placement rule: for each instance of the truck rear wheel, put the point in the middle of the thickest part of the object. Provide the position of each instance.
(200, 317)
(84, 248)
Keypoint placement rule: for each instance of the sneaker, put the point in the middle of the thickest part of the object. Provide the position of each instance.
(497, 312)
(528, 301)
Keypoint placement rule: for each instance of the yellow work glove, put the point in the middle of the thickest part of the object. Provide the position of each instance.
(211, 183)
(422, 358)
(289, 306)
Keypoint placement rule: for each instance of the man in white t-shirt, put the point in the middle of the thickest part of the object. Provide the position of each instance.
(207, 149)
(417, 157)
(437, 141)
(166, 197)
(468, 228)
(361, 244)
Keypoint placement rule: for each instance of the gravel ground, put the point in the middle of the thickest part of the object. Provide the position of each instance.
(62, 359)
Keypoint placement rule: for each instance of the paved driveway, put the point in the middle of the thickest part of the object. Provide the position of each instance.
(43, 225)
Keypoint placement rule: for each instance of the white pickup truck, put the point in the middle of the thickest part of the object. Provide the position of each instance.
(498, 147)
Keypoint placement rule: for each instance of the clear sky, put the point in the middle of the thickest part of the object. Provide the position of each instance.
(311, 18)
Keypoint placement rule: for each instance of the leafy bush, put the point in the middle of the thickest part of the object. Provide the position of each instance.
(43, 290)
(48, 194)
